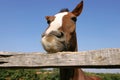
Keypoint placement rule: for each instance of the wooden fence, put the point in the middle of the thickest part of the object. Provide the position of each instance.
(104, 58)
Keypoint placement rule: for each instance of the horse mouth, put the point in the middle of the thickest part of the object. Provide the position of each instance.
(52, 43)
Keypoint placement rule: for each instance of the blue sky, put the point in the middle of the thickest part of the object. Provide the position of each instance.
(23, 21)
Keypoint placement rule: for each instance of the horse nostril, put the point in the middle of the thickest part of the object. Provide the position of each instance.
(43, 34)
(57, 34)
(60, 35)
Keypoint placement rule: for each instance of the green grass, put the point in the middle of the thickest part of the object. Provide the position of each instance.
(36, 74)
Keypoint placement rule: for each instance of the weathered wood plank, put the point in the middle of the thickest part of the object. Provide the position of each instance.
(88, 59)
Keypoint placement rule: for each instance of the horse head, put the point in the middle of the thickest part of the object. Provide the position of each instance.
(60, 34)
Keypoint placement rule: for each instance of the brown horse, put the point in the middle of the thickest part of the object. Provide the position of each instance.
(61, 36)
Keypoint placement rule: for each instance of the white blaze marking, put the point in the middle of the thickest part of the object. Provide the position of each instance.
(57, 23)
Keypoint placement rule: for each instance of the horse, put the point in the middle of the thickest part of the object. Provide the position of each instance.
(60, 35)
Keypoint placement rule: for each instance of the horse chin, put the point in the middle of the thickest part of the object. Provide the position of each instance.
(52, 44)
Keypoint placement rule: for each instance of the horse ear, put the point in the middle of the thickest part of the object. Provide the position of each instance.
(49, 19)
(78, 9)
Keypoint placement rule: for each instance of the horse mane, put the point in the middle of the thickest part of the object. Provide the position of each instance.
(64, 10)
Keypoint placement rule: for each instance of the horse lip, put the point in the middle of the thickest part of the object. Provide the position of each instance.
(43, 35)
(61, 41)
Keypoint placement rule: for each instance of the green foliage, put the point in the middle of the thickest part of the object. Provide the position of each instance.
(106, 76)
(27, 74)
(31, 74)
(109, 76)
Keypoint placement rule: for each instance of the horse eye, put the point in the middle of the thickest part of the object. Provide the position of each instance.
(74, 19)
(48, 21)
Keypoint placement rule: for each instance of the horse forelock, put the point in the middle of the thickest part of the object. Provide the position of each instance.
(64, 10)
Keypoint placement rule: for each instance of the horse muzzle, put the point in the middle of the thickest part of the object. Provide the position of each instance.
(54, 42)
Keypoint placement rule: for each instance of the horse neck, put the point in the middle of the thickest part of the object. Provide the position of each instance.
(74, 47)
(78, 74)
(77, 71)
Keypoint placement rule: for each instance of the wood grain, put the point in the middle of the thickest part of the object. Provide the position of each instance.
(104, 58)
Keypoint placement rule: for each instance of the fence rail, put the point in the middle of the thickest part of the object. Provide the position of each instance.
(104, 58)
